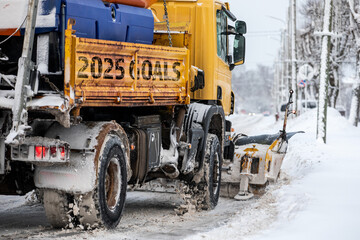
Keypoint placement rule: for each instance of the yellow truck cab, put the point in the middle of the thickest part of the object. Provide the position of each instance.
(201, 27)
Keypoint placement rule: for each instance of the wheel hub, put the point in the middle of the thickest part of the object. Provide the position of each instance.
(216, 174)
(112, 184)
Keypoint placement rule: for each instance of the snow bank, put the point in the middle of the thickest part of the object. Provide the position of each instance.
(329, 187)
(11, 202)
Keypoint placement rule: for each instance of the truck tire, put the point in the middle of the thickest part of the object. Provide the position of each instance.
(56, 206)
(104, 206)
(203, 189)
(212, 172)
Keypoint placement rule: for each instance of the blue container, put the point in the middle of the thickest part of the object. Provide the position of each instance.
(98, 20)
(95, 19)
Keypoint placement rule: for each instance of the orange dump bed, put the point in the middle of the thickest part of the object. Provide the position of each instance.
(101, 73)
(136, 3)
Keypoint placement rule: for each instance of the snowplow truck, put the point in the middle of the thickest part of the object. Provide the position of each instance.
(99, 95)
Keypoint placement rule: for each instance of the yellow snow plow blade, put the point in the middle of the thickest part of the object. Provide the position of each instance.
(107, 73)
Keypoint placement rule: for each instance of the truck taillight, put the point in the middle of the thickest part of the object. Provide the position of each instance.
(53, 152)
(38, 152)
(41, 152)
(62, 152)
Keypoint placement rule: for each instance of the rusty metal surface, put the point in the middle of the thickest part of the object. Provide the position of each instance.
(102, 73)
(112, 127)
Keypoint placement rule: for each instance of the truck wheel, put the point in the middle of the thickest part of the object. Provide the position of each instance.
(56, 206)
(203, 189)
(104, 206)
(212, 172)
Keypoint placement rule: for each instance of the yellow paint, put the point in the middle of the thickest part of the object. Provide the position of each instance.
(252, 150)
(197, 19)
(273, 144)
(239, 63)
(69, 63)
(268, 157)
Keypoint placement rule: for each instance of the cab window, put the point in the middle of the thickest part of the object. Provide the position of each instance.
(221, 27)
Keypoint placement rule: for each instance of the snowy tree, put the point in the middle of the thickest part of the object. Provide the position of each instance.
(324, 71)
(355, 106)
(355, 29)
(310, 42)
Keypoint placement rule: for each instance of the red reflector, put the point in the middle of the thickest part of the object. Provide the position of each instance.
(62, 152)
(53, 151)
(38, 152)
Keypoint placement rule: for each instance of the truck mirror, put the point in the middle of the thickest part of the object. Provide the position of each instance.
(229, 58)
(240, 27)
(228, 14)
(230, 31)
(239, 50)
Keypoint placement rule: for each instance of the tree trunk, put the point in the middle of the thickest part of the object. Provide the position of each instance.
(334, 87)
(355, 105)
(293, 54)
(324, 73)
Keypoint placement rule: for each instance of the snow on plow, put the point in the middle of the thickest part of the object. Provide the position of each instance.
(257, 161)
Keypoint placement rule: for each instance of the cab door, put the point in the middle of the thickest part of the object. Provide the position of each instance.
(222, 71)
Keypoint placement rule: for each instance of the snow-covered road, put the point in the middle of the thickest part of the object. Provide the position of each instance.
(148, 215)
(316, 197)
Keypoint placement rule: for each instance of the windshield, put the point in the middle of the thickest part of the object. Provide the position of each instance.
(221, 27)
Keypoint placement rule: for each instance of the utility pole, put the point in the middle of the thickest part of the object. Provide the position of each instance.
(288, 50)
(276, 84)
(324, 72)
(293, 53)
(283, 67)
